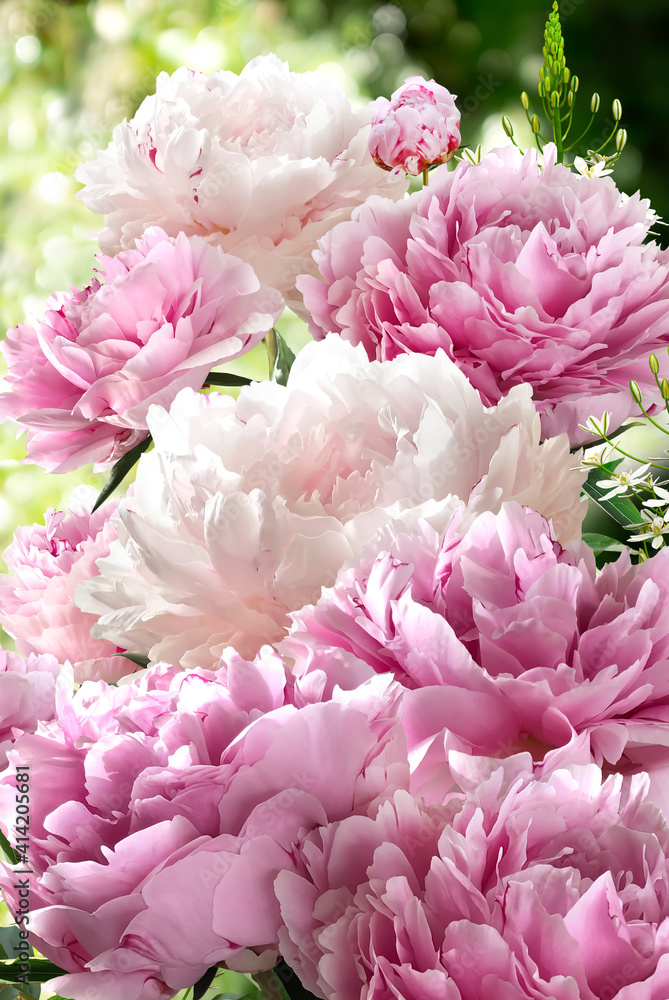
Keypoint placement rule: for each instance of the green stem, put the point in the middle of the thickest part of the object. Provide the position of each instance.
(658, 383)
(607, 141)
(513, 141)
(272, 347)
(633, 457)
(654, 422)
(583, 133)
(268, 984)
(557, 135)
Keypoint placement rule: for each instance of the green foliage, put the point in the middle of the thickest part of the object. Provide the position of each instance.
(120, 470)
(40, 971)
(8, 851)
(139, 658)
(620, 508)
(280, 357)
(223, 984)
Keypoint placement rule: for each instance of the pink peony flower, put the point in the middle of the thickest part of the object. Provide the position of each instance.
(261, 164)
(162, 810)
(246, 508)
(417, 128)
(27, 695)
(505, 639)
(517, 890)
(163, 316)
(46, 563)
(524, 275)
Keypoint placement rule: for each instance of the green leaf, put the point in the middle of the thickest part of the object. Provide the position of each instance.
(7, 849)
(40, 971)
(121, 470)
(31, 989)
(291, 982)
(10, 938)
(603, 543)
(280, 357)
(223, 378)
(621, 509)
(9, 943)
(205, 981)
(233, 985)
(138, 658)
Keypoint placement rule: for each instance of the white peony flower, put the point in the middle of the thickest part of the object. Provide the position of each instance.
(262, 164)
(246, 508)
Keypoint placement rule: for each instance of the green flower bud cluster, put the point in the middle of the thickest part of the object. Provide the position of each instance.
(557, 86)
(554, 73)
(557, 90)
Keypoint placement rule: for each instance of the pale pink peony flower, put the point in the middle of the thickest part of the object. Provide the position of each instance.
(418, 128)
(27, 695)
(162, 810)
(505, 639)
(261, 164)
(46, 564)
(524, 275)
(246, 508)
(159, 318)
(517, 890)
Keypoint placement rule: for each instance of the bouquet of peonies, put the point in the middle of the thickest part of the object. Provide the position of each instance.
(339, 699)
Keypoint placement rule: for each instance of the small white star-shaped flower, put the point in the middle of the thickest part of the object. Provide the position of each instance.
(662, 498)
(625, 481)
(657, 528)
(597, 427)
(590, 169)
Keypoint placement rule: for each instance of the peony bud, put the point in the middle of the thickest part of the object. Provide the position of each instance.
(417, 128)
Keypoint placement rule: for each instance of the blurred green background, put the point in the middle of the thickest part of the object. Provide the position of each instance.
(70, 71)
